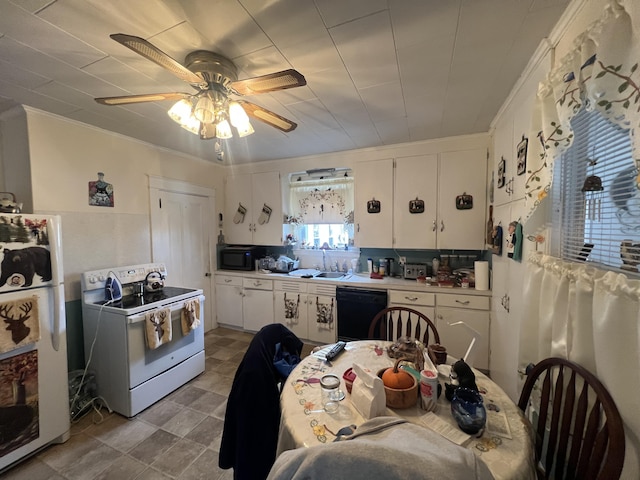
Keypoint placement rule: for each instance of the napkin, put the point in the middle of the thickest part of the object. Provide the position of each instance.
(367, 394)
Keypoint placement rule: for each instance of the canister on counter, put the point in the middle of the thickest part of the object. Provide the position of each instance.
(382, 268)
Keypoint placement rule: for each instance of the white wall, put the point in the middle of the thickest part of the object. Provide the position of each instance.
(66, 155)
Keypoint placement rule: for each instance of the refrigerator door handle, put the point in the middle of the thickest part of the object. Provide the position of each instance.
(58, 316)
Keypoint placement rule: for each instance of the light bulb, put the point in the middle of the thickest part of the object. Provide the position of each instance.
(223, 129)
(180, 111)
(204, 110)
(237, 115)
(245, 130)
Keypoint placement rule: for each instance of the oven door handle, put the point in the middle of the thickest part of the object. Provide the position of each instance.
(140, 317)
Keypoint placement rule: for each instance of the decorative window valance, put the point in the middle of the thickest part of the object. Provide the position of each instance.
(322, 201)
(601, 73)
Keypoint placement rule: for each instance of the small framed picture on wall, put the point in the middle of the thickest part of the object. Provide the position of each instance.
(501, 172)
(522, 156)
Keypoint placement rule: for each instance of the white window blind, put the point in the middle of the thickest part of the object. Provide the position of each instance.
(598, 207)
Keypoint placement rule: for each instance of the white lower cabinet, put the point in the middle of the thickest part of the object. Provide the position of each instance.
(290, 306)
(322, 312)
(423, 302)
(229, 300)
(257, 303)
(474, 311)
(308, 310)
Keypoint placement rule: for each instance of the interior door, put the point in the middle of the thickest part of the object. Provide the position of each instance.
(181, 237)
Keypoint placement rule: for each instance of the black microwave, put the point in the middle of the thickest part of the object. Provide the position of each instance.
(240, 257)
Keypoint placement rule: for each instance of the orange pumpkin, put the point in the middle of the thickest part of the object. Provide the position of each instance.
(393, 377)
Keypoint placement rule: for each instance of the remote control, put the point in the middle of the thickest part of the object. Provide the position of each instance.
(335, 350)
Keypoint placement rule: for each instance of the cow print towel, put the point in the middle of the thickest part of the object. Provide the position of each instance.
(20, 322)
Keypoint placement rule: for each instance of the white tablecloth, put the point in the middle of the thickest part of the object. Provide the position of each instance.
(304, 423)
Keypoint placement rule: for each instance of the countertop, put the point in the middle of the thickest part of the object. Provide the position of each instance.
(361, 280)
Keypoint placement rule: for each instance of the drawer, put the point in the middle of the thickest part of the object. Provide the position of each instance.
(463, 301)
(411, 298)
(228, 280)
(322, 289)
(289, 286)
(257, 284)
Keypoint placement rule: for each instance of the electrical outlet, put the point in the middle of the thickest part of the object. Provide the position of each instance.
(402, 260)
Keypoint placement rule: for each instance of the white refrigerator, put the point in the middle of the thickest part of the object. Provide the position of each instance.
(34, 395)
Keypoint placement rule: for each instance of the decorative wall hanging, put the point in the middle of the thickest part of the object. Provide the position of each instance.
(265, 215)
(240, 213)
(501, 172)
(496, 244)
(511, 239)
(592, 189)
(22, 321)
(416, 206)
(100, 192)
(19, 401)
(373, 206)
(464, 202)
(522, 156)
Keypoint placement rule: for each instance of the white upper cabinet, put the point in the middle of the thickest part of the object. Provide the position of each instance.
(253, 209)
(415, 202)
(462, 199)
(373, 209)
(425, 202)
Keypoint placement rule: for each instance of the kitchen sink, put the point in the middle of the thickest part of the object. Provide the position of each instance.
(330, 275)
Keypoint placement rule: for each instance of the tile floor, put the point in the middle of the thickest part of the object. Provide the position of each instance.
(177, 438)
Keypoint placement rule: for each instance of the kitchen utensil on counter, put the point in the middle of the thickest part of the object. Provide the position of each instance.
(154, 282)
(8, 203)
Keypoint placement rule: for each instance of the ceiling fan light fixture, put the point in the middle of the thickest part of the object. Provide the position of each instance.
(223, 129)
(180, 111)
(205, 110)
(245, 130)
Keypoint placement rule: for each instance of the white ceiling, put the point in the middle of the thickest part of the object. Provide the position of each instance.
(378, 72)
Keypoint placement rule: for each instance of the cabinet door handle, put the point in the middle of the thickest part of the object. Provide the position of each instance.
(358, 228)
(411, 299)
(442, 225)
(435, 226)
(227, 280)
(208, 274)
(257, 283)
(465, 302)
(439, 317)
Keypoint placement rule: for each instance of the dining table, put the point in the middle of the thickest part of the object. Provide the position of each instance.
(505, 444)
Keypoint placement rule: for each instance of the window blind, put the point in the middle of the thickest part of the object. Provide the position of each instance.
(595, 184)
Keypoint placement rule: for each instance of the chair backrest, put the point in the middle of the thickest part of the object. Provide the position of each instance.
(395, 322)
(578, 422)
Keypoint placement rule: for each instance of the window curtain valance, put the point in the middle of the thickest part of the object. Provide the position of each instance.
(601, 73)
(322, 201)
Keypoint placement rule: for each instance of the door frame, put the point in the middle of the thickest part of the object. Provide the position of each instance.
(186, 188)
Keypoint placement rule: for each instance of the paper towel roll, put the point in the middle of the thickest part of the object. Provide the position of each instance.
(481, 271)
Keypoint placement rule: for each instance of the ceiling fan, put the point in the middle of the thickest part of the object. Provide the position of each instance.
(209, 111)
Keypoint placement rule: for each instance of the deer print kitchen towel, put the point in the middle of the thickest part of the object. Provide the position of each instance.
(158, 327)
(22, 322)
(190, 316)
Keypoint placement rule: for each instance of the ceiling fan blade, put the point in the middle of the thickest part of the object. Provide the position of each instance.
(268, 117)
(153, 53)
(149, 97)
(268, 83)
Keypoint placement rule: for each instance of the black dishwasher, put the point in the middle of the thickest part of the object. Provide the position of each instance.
(356, 309)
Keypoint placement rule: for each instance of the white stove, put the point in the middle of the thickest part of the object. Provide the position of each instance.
(130, 375)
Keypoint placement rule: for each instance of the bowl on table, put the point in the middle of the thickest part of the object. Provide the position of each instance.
(401, 397)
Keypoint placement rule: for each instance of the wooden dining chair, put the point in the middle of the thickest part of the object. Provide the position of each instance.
(578, 430)
(395, 322)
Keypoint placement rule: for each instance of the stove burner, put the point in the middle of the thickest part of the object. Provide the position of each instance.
(133, 301)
